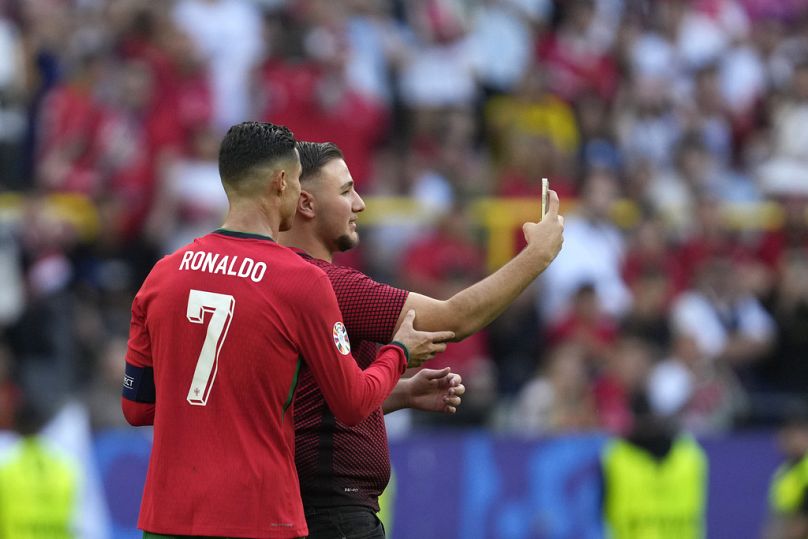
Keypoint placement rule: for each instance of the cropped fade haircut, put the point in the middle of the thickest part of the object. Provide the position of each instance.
(315, 155)
(251, 144)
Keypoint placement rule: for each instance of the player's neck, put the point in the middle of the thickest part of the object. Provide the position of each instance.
(305, 240)
(252, 218)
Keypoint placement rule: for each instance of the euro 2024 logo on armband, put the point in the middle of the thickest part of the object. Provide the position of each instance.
(341, 339)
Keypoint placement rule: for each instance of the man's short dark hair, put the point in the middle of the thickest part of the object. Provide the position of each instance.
(251, 144)
(315, 155)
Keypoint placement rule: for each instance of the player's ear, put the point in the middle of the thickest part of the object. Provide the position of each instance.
(306, 204)
(277, 183)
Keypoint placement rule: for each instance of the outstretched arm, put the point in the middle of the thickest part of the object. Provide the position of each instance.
(428, 390)
(472, 309)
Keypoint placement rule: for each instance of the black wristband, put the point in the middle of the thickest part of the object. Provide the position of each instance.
(404, 348)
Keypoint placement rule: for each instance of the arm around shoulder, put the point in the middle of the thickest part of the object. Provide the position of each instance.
(351, 393)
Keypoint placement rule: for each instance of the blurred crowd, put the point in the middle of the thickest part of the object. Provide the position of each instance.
(111, 112)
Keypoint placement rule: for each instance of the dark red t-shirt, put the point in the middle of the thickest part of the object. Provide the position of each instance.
(225, 322)
(339, 465)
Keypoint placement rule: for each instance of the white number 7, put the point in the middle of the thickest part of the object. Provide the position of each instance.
(221, 305)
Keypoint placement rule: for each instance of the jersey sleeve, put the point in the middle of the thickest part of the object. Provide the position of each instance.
(138, 351)
(351, 393)
(138, 395)
(370, 309)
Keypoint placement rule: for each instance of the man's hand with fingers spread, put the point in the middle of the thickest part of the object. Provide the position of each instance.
(433, 390)
(421, 345)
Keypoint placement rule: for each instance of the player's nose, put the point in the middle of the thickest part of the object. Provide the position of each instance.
(359, 204)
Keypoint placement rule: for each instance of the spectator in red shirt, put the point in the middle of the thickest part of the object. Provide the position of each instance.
(586, 325)
(792, 235)
(650, 252)
(446, 260)
(314, 98)
(575, 60)
(623, 379)
(136, 139)
(180, 76)
(710, 238)
(70, 121)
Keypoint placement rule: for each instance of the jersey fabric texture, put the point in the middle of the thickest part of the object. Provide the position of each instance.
(337, 464)
(224, 323)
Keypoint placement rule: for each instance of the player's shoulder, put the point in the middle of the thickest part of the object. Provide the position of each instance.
(310, 271)
(297, 274)
(334, 271)
(348, 282)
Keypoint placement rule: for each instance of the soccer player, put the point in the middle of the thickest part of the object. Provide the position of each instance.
(217, 334)
(343, 469)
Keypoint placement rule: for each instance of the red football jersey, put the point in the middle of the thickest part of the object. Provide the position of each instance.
(340, 465)
(224, 322)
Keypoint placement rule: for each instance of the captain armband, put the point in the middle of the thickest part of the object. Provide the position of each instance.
(138, 384)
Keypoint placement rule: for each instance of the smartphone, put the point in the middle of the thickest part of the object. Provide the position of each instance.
(545, 187)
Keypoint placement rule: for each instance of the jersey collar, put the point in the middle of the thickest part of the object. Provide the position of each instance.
(301, 252)
(244, 235)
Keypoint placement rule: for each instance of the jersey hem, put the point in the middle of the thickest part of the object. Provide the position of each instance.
(274, 533)
(336, 502)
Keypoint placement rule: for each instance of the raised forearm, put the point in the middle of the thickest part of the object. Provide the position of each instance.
(478, 305)
(475, 307)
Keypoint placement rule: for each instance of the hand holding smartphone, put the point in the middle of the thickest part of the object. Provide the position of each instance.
(545, 187)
